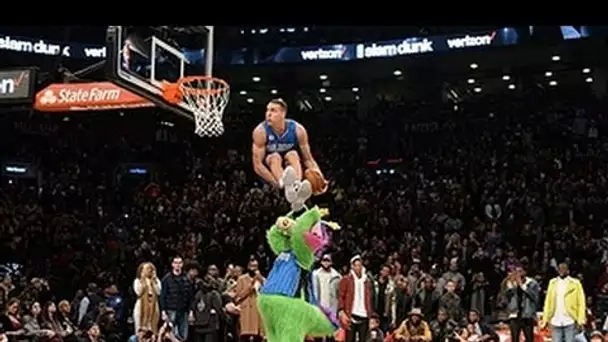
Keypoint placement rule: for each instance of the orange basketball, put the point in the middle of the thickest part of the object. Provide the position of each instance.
(317, 182)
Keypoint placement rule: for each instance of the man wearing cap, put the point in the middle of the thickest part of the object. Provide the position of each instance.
(325, 281)
(414, 328)
(596, 336)
(355, 297)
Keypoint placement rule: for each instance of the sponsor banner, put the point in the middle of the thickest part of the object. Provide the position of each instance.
(337, 52)
(136, 169)
(87, 96)
(17, 169)
(50, 48)
(390, 48)
(17, 85)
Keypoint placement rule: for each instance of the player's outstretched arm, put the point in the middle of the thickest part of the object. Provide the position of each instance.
(258, 151)
(309, 161)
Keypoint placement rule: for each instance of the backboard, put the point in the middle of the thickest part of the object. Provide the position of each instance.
(141, 57)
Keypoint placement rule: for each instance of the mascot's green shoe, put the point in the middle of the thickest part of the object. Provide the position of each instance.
(286, 302)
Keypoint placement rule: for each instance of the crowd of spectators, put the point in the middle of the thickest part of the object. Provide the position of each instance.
(441, 202)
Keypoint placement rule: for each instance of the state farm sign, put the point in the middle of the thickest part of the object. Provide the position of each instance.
(87, 96)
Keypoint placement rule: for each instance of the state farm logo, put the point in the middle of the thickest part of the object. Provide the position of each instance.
(80, 95)
(48, 97)
(87, 96)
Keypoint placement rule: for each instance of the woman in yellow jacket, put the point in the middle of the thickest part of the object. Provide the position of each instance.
(565, 306)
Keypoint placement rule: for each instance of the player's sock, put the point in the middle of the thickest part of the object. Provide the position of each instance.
(289, 176)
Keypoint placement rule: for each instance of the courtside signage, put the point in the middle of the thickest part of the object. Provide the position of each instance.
(87, 96)
(16, 85)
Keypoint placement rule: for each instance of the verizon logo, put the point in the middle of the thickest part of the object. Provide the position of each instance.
(95, 52)
(8, 85)
(470, 41)
(323, 54)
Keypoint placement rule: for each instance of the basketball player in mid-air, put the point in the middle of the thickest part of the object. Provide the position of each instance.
(276, 142)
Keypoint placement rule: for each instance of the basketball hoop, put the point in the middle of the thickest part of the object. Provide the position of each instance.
(206, 97)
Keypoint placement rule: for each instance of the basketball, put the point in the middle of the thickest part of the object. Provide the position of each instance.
(317, 182)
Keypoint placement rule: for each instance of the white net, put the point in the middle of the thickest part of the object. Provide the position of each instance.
(207, 98)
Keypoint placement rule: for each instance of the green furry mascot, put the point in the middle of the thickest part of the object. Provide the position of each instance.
(286, 303)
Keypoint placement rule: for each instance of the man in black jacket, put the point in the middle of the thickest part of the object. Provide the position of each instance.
(175, 298)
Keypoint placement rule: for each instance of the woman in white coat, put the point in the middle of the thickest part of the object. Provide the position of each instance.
(146, 313)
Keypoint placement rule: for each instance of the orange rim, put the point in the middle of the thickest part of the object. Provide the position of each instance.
(183, 83)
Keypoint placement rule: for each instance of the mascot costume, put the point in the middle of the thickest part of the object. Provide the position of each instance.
(286, 301)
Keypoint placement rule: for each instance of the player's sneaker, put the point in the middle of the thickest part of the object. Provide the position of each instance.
(291, 193)
(303, 191)
(288, 178)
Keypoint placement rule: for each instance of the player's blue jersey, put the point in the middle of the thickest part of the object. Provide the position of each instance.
(285, 142)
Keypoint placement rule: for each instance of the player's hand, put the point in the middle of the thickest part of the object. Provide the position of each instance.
(542, 324)
(324, 190)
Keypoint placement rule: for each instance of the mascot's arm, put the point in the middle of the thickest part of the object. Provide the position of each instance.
(277, 240)
(304, 223)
